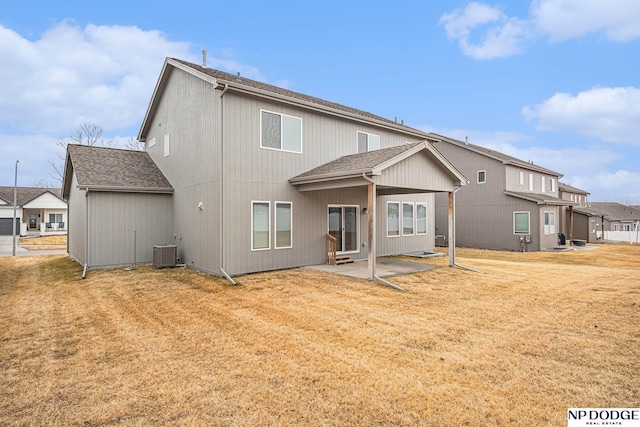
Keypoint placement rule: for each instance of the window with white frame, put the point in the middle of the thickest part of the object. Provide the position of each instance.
(280, 132)
(626, 227)
(552, 185)
(521, 223)
(166, 145)
(531, 182)
(616, 227)
(260, 225)
(151, 142)
(284, 215)
(482, 177)
(368, 142)
(407, 219)
(421, 218)
(393, 219)
(549, 223)
(542, 181)
(55, 217)
(521, 178)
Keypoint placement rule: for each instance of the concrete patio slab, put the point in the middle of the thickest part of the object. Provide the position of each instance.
(385, 267)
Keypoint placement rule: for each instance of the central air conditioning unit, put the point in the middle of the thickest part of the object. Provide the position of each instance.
(164, 256)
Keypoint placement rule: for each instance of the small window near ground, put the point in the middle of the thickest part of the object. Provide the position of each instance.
(280, 132)
(283, 224)
(393, 219)
(421, 218)
(368, 142)
(521, 223)
(260, 225)
(407, 219)
(482, 177)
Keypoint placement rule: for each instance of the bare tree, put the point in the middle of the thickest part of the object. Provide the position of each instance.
(43, 183)
(133, 144)
(86, 134)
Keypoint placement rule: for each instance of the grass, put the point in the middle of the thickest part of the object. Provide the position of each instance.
(44, 242)
(518, 344)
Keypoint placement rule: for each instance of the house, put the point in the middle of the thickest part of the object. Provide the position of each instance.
(579, 218)
(510, 204)
(259, 176)
(619, 222)
(38, 210)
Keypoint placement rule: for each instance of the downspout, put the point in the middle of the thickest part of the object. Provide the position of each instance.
(371, 205)
(452, 233)
(221, 222)
(86, 236)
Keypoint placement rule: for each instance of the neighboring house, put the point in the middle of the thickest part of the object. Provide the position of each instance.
(578, 217)
(38, 210)
(510, 204)
(261, 175)
(619, 221)
(119, 206)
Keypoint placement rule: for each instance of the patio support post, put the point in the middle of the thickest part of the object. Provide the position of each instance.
(452, 231)
(371, 254)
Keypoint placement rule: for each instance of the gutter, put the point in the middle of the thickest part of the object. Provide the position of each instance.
(118, 189)
(222, 175)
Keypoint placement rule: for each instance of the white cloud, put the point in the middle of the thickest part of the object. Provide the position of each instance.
(619, 186)
(610, 114)
(564, 19)
(504, 37)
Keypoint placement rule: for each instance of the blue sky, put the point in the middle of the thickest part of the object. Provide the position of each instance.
(555, 82)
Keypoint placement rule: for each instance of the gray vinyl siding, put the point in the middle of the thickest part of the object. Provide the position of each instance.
(189, 112)
(118, 222)
(216, 158)
(411, 173)
(77, 212)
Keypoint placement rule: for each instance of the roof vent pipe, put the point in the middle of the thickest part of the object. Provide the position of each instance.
(238, 74)
(204, 58)
(466, 140)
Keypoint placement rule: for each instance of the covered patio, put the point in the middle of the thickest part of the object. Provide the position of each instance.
(407, 169)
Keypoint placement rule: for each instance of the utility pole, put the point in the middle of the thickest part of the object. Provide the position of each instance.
(15, 202)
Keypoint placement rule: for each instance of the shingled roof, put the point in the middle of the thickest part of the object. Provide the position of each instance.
(26, 194)
(569, 189)
(112, 169)
(541, 199)
(242, 84)
(357, 163)
(497, 155)
(616, 211)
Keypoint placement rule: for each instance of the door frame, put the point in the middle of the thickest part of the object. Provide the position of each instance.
(357, 226)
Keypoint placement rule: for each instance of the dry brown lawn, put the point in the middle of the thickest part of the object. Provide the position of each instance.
(44, 242)
(518, 344)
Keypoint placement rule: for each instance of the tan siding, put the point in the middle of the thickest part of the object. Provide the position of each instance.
(402, 244)
(419, 172)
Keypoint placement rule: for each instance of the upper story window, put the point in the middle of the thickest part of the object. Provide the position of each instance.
(151, 142)
(542, 184)
(521, 178)
(552, 185)
(531, 182)
(482, 177)
(167, 150)
(280, 132)
(368, 142)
